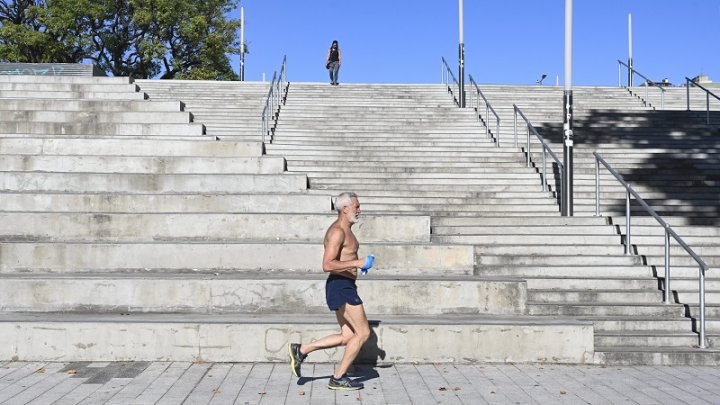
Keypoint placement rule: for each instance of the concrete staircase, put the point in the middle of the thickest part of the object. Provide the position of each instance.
(411, 151)
(146, 240)
(670, 157)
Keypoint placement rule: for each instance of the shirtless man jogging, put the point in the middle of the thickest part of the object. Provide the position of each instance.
(341, 261)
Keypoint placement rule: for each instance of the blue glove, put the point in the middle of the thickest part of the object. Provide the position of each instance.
(369, 260)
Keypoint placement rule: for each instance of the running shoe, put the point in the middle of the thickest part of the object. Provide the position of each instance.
(296, 358)
(344, 384)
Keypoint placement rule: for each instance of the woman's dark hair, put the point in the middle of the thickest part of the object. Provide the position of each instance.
(335, 42)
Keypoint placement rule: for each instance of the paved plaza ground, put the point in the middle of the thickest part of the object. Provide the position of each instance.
(272, 383)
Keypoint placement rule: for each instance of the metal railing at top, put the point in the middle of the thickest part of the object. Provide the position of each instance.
(277, 95)
(488, 109)
(689, 82)
(546, 151)
(447, 74)
(648, 83)
(668, 233)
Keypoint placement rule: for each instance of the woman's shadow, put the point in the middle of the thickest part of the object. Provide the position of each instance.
(363, 369)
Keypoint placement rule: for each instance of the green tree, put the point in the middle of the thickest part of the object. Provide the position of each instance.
(187, 39)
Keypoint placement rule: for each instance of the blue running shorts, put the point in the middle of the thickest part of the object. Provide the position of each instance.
(339, 291)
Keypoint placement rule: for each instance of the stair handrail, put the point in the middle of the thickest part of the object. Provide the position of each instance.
(545, 146)
(708, 93)
(648, 83)
(277, 96)
(446, 75)
(668, 233)
(269, 110)
(488, 110)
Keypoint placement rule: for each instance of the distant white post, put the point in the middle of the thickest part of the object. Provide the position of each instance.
(630, 58)
(461, 58)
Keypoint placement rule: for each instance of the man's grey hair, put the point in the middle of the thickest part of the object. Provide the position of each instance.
(343, 200)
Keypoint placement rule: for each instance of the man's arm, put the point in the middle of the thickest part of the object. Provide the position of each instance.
(331, 257)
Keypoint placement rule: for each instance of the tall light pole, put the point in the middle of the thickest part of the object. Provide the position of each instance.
(242, 44)
(461, 58)
(630, 61)
(567, 188)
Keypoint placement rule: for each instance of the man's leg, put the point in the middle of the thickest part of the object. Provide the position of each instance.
(353, 319)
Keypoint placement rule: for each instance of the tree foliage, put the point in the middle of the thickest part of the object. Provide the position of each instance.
(187, 39)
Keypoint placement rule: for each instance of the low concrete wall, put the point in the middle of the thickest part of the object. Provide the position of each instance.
(495, 341)
(50, 69)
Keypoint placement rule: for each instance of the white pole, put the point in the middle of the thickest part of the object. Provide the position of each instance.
(568, 45)
(630, 55)
(567, 188)
(461, 57)
(242, 43)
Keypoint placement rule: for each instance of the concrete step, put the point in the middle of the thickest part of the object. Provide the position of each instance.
(648, 338)
(555, 259)
(256, 338)
(391, 258)
(597, 295)
(143, 164)
(254, 293)
(19, 104)
(114, 117)
(150, 183)
(524, 239)
(657, 310)
(69, 87)
(65, 79)
(608, 325)
(89, 128)
(550, 250)
(128, 147)
(195, 226)
(111, 202)
(82, 95)
(667, 355)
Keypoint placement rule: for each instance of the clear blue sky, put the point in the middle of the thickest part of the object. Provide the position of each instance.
(506, 41)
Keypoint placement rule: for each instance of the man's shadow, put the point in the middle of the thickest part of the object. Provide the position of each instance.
(363, 368)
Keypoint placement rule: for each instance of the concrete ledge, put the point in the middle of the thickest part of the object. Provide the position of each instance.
(133, 147)
(114, 117)
(443, 339)
(391, 259)
(90, 128)
(143, 164)
(144, 183)
(15, 104)
(256, 293)
(227, 227)
(167, 203)
(82, 95)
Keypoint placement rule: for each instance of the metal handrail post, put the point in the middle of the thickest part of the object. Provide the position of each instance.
(666, 294)
(515, 126)
(627, 222)
(544, 176)
(597, 187)
(497, 133)
(707, 107)
(487, 117)
(528, 145)
(619, 74)
(687, 93)
(702, 307)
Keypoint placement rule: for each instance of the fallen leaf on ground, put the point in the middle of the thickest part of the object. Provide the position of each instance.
(71, 372)
(216, 391)
(41, 370)
(456, 388)
(563, 392)
(301, 392)
(442, 389)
